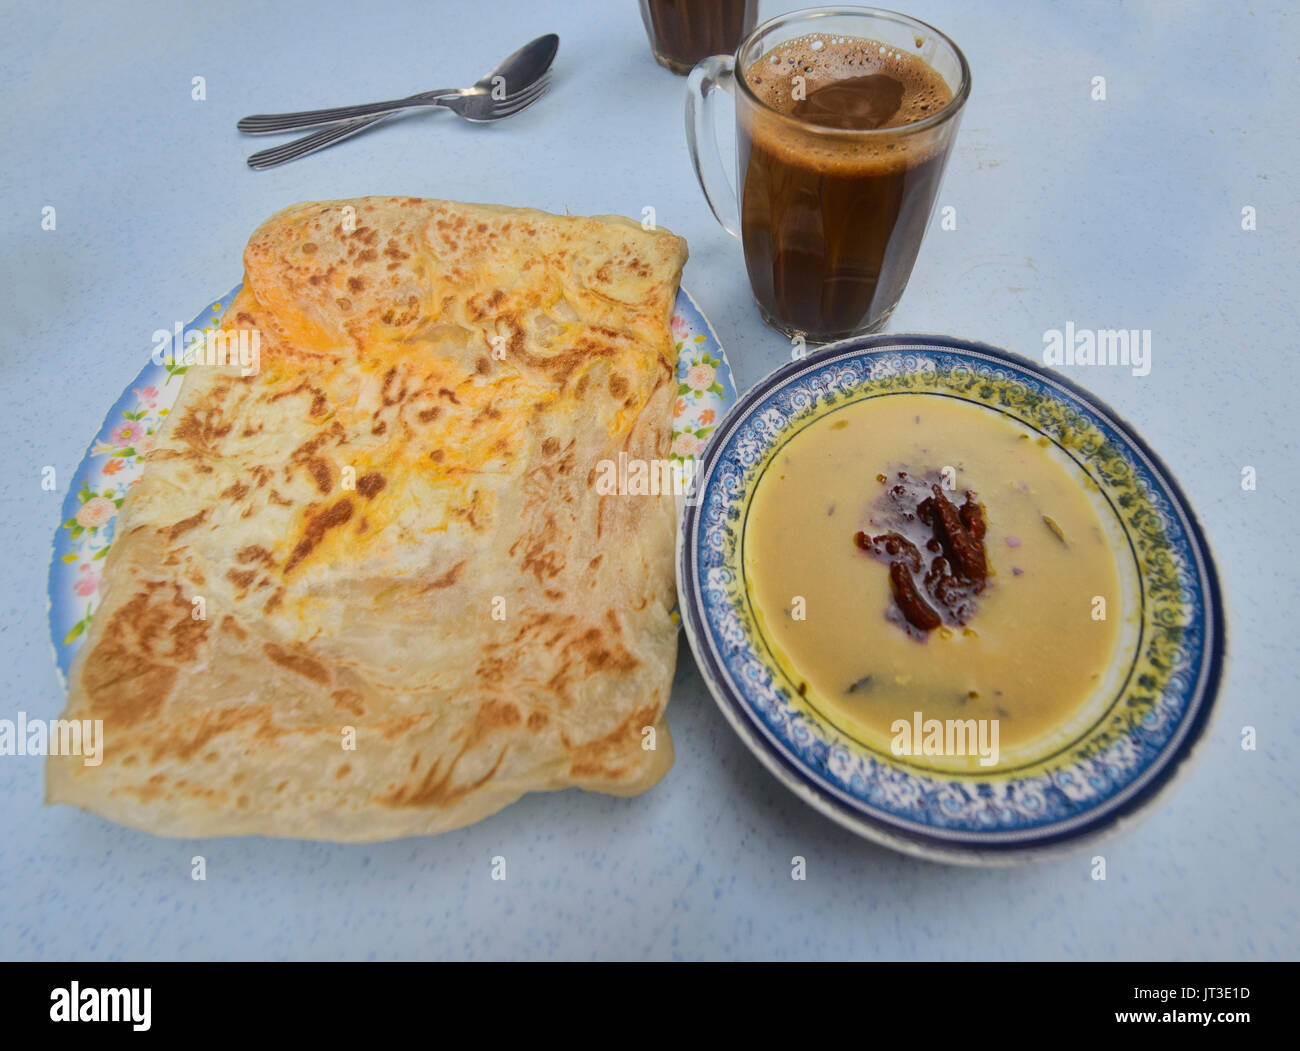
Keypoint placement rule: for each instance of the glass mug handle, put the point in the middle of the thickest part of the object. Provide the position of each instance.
(717, 71)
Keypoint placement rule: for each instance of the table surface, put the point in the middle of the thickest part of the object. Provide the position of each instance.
(1122, 213)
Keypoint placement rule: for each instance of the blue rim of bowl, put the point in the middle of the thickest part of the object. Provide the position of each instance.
(1114, 810)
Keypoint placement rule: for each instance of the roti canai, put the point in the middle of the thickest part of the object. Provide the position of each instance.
(369, 589)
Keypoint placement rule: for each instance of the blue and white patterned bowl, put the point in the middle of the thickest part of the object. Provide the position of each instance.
(1112, 766)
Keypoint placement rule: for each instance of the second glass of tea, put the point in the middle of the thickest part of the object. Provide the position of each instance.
(684, 31)
(844, 121)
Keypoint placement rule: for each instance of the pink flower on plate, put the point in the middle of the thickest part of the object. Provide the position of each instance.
(707, 417)
(113, 466)
(687, 445)
(149, 395)
(679, 327)
(87, 581)
(144, 443)
(127, 433)
(95, 512)
(700, 377)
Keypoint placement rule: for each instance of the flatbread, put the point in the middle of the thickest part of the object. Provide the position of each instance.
(395, 535)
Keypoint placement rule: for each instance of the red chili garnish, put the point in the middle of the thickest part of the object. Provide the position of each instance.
(972, 516)
(917, 611)
(888, 546)
(957, 573)
(965, 553)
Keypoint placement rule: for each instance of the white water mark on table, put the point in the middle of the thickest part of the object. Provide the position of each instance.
(84, 737)
(1107, 346)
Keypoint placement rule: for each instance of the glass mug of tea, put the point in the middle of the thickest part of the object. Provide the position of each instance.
(682, 32)
(844, 121)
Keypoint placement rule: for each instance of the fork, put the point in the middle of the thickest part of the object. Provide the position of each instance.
(270, 123)
(473, 105)
(526, 70)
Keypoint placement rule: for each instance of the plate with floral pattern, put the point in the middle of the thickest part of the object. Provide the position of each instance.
(1147, 717)
(115, 459)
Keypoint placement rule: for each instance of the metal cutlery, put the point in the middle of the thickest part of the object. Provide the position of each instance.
(515, 84)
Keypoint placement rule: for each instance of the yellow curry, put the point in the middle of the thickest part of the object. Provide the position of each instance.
(1004, 547)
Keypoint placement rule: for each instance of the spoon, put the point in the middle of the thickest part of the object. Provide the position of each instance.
(481, 102)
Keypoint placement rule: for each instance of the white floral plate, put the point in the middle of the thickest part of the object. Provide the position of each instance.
(115, 460)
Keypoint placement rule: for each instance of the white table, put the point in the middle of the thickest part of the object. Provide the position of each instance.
(1123, 213)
